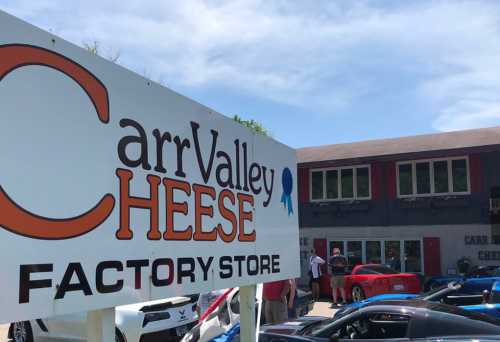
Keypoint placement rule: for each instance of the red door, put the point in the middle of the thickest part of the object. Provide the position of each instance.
(432, 256)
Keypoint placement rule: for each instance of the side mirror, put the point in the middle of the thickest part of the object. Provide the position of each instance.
(335, 337)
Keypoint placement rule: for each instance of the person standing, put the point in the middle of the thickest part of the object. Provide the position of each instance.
(275, 305)
(315, 263)
(292, 299)
(338, 265)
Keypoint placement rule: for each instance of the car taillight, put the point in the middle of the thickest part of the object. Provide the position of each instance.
(155, 316)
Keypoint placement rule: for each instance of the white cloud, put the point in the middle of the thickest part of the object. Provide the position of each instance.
(324, 56)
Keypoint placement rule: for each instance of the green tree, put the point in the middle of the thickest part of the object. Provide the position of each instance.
(253, 125)
(94, 48)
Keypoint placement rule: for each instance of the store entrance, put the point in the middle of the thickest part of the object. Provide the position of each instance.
(401, 255)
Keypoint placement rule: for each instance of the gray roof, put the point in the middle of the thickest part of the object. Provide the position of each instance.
(405, 145)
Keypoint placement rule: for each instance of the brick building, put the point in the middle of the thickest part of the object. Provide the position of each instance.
(417, 203)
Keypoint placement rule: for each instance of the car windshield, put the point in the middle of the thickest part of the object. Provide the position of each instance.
(455, 310)
(439, 291)
(485, 271)
(376, 269)
(317, 326)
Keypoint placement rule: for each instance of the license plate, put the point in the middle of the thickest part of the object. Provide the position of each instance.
(399, 287)
(181, 331)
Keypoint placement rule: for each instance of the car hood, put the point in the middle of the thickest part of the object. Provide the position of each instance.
(388, 296)
(292, 327)
(446, 278)
(172, 301)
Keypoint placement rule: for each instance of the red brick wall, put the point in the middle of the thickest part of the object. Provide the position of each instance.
(377, 175)
(390, 180)
(303, 184)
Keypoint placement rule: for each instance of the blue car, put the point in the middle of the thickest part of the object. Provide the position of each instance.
(433, 295)
(449, 294)
(491, 308)
(478, 279)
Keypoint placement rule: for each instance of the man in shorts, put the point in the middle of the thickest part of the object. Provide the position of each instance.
(338, 265)
(275, 303)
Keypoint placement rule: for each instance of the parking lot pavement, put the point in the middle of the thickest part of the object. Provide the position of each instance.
(322, 308)
(3, 332)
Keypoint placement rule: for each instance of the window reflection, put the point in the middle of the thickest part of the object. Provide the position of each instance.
(393, 254)
(412, 256)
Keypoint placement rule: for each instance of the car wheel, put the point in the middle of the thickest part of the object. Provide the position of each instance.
(21, 332)
(119, 336)
(357, 293)
(434, 286)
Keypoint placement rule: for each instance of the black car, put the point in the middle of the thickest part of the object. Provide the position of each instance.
(269, 337)
(393, 320)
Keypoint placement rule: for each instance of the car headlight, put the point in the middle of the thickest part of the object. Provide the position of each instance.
(155, 316)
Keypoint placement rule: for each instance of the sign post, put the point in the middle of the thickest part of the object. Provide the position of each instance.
(101, 325)
(152, 195)
(247, 313)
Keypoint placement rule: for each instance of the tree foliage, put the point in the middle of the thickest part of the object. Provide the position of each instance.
(253, 125)
(95, 48)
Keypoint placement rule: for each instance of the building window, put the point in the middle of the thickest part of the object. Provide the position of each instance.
(363, 182)
(316, 185)
(433, 177)
(373, 252)
(405, 179)
(354, 253)
(393, 254)
(413, 259)
(332, 184)
(400, 255)
(460, 175)
(423, 173)
(347, 183)
(343, 183)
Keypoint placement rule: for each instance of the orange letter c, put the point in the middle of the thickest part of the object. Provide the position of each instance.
(15, 218)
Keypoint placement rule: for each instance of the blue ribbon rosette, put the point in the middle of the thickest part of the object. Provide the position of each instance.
(287, 183)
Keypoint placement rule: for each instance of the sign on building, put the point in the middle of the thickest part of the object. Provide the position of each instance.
(115, 190)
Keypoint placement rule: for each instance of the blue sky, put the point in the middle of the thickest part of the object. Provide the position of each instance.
(313, 72)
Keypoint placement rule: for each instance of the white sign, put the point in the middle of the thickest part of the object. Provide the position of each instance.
(115, 190)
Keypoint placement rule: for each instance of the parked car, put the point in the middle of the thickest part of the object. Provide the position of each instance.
(227, 314)
(268, 337)
(449, 294)
(223, 314)
(165, 320)
(479, 278)
(304, 303)
(394, 321)
(373, 279)
(491, 308)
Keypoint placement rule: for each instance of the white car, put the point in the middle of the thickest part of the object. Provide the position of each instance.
(159, 320)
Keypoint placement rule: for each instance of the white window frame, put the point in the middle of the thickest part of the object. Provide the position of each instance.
(339, 182)
(431, 170)
(402, 254)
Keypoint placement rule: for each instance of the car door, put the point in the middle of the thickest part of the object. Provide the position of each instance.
(70, 326)
(479, 284)
(376, 326)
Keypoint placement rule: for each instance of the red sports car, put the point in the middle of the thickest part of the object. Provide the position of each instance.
(373, 279)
